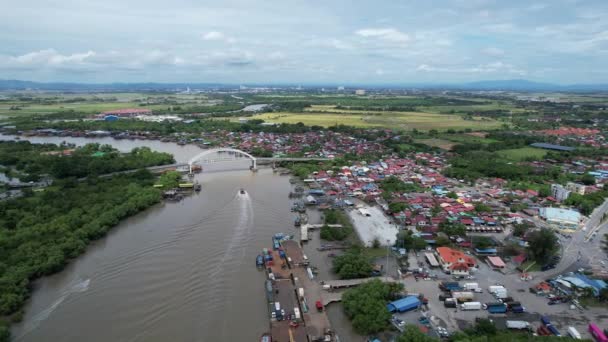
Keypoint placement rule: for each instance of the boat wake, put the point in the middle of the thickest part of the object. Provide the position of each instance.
(79, 287)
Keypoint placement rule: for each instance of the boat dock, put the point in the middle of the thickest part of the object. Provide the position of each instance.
(294, 287)
(307, 227)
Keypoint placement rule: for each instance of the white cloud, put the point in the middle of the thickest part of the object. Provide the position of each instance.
(495, 67)
(493, 51)
(218, 36)
(386, 34)
(51, 57)
(380, 72)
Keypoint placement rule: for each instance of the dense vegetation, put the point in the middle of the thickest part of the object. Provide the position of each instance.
(41, 231)
(35, 160)
(365, 305)
(586, 203)
(353, 264)
(332, 216)
(542, 245)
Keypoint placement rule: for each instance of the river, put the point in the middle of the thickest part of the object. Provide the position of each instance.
(178, 271)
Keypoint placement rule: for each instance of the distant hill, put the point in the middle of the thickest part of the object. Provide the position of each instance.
(525, 85)
(507, 85)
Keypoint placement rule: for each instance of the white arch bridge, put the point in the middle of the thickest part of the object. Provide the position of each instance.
(211, 156)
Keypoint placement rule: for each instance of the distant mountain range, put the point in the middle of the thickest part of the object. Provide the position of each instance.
(506, 85)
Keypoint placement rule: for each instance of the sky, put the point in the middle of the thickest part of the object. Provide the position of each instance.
(304, 41)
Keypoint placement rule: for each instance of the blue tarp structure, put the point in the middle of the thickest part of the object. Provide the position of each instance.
(404, 304)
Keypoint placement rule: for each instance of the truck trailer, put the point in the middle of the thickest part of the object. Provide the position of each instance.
(470, 306)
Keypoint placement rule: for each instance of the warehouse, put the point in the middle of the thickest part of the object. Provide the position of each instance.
(404, 304)
(564, 220)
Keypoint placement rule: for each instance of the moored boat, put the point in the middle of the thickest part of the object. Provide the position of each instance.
(259, 261)
(266, 338)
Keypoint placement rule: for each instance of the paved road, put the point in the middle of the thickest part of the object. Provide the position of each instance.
(584, 248)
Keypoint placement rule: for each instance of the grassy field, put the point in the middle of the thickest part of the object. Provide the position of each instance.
(520, 154)
(88, 107)
(467, 138)
(401, 120)
(436, 142)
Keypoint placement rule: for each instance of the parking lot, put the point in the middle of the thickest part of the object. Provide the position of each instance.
(562, 315)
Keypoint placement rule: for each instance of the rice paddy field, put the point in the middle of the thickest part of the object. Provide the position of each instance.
(48, 103)
(424, 121)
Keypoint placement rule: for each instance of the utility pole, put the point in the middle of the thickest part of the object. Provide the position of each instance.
(387, 250)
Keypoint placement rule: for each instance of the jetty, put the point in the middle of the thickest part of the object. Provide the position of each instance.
(296, 292)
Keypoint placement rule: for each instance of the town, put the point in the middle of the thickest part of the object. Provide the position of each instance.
(483, 231)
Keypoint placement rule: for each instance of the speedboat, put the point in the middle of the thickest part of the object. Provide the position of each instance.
(259, 261)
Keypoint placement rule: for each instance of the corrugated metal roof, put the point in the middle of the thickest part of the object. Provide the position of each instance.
(552, 147)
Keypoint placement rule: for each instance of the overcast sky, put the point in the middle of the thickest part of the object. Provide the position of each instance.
(308, 41)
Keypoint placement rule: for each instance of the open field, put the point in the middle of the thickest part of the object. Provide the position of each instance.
(401, 120)
(88, 107)
(436, 142)
(520, 154)
(468, 138)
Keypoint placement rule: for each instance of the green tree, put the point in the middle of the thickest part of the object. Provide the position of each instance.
(352, 265)
(542, 245)
(170, 179)
(365, 306)
(588, 179)
(396, 207)
(482, 208)
(453, 228)
(452, 194)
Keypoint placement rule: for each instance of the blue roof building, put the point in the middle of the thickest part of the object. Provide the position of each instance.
(404, 304)
(553, 147)
(110, 118)
(564, 219)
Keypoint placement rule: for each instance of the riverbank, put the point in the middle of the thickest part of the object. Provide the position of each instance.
(68, 218)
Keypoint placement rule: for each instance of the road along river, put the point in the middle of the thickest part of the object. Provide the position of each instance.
(177, 272)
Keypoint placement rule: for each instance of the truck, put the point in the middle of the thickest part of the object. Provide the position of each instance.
(470, 306)
(471, 286)
(296, 313)
(501, 293)
(301, 292)
(494, 288)
(450, 303)
(518, 325)
(517, 309)
(497, 309)
(463, 296)
(450, 286)
(547, 323)
(574, 333)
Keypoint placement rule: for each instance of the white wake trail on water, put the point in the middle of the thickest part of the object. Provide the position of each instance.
(78, 286)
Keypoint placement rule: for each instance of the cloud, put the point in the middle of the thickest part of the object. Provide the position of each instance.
(217, 36)
(380, 72)
(493, 51)
(51, 57)
(495, 67)
(385, 34)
